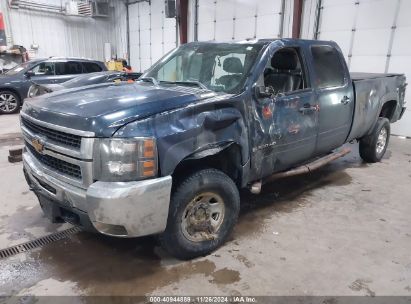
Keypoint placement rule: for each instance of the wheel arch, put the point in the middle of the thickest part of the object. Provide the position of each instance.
(388, 109)
(224, 156)
(10, 89)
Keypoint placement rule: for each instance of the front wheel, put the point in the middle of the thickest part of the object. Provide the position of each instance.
(373, 146)
(9, 102)
(203, 211)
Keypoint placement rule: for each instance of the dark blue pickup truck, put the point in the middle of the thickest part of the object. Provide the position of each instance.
(168, 154)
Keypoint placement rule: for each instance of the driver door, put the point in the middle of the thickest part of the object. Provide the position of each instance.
(287, 121)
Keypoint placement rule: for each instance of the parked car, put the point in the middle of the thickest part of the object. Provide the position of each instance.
(168, 154)
(15, 83)
(83, 80)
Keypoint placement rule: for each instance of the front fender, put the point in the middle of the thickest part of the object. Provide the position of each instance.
(209, 150)
(190, 131)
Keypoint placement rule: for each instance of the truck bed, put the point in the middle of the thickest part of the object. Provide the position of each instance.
(366, 76)
(371, 92)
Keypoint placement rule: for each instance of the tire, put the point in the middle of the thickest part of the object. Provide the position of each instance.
(10, 102)
(373, 146)
(193, 226)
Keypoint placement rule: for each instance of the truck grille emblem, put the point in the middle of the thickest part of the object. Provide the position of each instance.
(38, 146)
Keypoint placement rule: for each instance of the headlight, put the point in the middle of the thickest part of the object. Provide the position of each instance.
(121, 160)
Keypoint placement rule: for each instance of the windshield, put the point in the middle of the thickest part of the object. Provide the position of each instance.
(220, 67)
(17, 69)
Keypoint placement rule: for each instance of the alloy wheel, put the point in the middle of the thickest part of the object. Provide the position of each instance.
(8, 102)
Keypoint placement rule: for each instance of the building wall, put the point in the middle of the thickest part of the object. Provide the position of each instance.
(151, 34)
(58, 35)
(373, 35)
(233, 20)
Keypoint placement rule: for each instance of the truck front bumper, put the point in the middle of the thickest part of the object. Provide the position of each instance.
(122, 209)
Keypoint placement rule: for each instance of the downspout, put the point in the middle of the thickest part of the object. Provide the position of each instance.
(128, 31)
(317, 19)
(196, 20)
(282, 16)
(298, 11)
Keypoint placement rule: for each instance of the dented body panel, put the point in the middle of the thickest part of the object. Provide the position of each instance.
(372, 91)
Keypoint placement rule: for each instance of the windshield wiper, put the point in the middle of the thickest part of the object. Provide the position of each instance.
(188, 82)
(151, 79)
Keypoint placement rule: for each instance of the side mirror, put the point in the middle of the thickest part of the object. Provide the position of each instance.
(263, 92)
(29, 74)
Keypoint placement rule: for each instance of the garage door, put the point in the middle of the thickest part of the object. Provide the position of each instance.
(151, 34)
(374, 37)
(227, 20)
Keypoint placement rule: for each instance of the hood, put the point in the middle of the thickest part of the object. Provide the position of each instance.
(7, 78)
(53, 87)
(103, 108)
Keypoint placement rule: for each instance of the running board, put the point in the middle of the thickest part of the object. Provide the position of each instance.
(307, 168)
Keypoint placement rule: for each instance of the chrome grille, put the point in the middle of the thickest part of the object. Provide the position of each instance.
(66, 139)
(59, 165)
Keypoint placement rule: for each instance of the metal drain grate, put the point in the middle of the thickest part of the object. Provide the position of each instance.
(7, 252)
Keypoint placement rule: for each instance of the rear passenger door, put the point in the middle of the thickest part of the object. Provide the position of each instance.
(66, 70)
(334, 94)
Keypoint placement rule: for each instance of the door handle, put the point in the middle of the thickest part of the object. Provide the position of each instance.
(307, 108)
(345, 100)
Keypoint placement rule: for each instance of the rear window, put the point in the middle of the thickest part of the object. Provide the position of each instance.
(91, 67)
(328, 67)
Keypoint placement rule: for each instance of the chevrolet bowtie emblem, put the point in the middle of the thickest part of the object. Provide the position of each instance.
(38, 146)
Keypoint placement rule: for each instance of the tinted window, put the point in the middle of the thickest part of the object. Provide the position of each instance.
(44, 68)
(328, 67)
(70, 67)
(91, 67)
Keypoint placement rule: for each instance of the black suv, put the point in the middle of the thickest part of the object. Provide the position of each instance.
(15, 83)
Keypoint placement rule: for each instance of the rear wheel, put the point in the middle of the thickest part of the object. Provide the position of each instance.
(373, 146)
(203, 211)
(9, 102)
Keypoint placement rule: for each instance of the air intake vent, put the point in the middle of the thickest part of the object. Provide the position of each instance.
(84, 8)
(78, 8)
